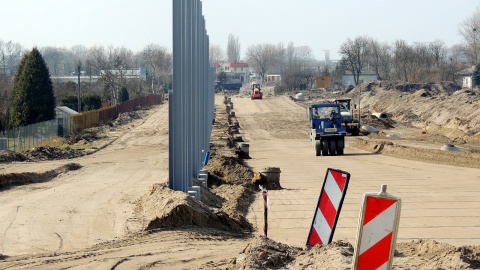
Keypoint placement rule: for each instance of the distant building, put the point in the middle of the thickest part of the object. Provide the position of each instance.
(236, 72)
(63, 113)
(465, 77)
(273, 79)
(129, 73)
(365, 76)
(323, 82)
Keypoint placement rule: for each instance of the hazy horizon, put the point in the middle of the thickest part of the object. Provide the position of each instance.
(321, 25)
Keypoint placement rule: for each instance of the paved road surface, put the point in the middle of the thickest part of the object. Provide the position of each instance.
(438, 202)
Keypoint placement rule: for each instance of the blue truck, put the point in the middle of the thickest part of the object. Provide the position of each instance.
(227, 86)
(326, 131)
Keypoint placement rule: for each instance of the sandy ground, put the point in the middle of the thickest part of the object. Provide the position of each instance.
(89, 218)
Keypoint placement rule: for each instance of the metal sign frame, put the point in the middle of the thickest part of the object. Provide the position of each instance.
(381, 195)
(344, 192)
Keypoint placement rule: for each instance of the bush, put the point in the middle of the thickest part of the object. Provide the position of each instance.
(70, 102)
(124, 96)
(91, 102)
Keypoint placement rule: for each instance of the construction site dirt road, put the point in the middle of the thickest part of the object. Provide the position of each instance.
(85, 219)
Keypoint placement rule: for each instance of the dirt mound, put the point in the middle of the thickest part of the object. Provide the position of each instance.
(436, 88)
(162, 207)
(462, 159)
(336, 255)
(444, 104)
(89, 135)
(49, 153)
(126, 118)
(429, 254)
(7, 156)
(264, 253)
(378, 123)
(228, 170)
(17, 179)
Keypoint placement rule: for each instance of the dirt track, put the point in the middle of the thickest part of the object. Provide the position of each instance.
(95, 204)
(87, 206)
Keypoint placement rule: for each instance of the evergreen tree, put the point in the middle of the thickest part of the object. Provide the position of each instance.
(32, 100)
(91, 102)
(476, 76)
(222, 77)
(70, 102)
(124, 96)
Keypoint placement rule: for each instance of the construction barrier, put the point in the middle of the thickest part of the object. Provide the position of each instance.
(328, 208)
(377, 231)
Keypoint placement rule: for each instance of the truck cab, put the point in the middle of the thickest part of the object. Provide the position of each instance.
(326, 130)
(350, 120)
(256, 91)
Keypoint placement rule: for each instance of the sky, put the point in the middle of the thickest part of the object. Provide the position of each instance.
(321, 25)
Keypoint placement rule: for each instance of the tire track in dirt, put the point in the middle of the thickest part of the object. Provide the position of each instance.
(9, 226)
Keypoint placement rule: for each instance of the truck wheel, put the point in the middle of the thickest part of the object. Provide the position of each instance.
(340, 147)
(356, 131)
(318, 148)
(325, 148)
(332, 146)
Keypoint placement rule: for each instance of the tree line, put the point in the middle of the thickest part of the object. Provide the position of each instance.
(110, 64)
(416, 62)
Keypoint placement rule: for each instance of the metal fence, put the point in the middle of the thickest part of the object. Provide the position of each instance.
(191, 103)
(26, 137)
(21, 138)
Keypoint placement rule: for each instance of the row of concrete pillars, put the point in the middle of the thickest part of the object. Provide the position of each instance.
(195, 191)
(234, 130)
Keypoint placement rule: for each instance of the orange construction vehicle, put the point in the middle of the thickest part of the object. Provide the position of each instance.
(256, 91)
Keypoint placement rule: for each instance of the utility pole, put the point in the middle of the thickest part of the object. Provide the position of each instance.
(475, 45)
(79, 103)
(153, 79)
(474, 54)
(327, 58)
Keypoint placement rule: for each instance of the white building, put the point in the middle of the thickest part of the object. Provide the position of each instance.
(365, 76)
(465, 77)
(236, 72)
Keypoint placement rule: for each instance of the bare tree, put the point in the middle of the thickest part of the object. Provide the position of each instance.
(450, 65)
(13, 53)
(421, 62)
(53, 57)
(400, 59)
(470, 31)
(233, 49)
(216, 55)
(291, 76)
(438, 51)
(380, 59)
(111, 63)
(2, 58)
(355, 53)
(159, 60)
(262, 57)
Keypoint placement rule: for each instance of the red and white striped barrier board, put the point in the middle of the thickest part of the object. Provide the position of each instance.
(377, 231)
(328, 207)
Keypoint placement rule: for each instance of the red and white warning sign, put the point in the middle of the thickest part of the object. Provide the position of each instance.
(377, 231)
(328, 207)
